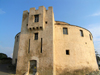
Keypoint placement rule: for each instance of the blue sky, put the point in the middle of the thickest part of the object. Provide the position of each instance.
(84, 13)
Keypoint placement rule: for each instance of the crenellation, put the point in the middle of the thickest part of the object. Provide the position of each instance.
(26, 11)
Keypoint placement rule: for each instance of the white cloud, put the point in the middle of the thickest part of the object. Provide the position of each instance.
(96, 14)
(2, 12)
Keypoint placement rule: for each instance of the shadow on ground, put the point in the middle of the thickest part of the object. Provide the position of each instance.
(7, 68)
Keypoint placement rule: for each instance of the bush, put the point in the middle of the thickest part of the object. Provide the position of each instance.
(2, 56)
(6, 59)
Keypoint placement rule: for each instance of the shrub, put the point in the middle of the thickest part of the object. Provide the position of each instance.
(2, 56)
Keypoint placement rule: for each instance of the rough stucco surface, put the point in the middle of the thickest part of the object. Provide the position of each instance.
(44, 59)
(16, 47)
(81, 49)
(53, 59)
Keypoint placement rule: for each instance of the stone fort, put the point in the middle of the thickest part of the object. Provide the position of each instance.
(48, 47)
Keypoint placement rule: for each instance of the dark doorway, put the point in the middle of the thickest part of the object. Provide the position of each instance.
(33, 67)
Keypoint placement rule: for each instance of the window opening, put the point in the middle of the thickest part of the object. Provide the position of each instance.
(29, 47)
(41, 45)
(36, 18)
(15, 61)
(81, 33)
(17, 38)
(67, 52)
(46, 22)
(36, 36)
(65, 31)
(90, 36)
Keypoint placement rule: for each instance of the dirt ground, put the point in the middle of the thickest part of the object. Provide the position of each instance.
(9, 69)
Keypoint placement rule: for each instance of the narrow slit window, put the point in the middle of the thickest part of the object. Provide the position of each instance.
(65, 31)
(17, 38)
(36, 18)
(36, 36)
(16, 61)
(41, 45)
(67, 52)
(81, 33)
(29, 47)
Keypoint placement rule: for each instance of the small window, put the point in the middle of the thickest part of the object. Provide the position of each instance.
(17, 38)
(45, 22)
(36, 18)
(81, 33)
(67, 52)
(26, 24)
(36, 36)
(90, 36)
(65, 31)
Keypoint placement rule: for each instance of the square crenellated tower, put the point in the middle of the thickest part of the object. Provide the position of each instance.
(36, 42)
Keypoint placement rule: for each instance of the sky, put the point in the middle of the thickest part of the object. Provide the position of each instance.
(84, 13)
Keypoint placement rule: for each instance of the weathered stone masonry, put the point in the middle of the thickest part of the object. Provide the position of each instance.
(49, 47)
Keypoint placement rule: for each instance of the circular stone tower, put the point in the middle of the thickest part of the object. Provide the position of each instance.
(16, 47)
(74, 49)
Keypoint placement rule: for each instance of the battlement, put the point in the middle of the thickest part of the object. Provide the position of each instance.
(38, 19)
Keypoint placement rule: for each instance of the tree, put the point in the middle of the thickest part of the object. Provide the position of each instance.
(2, 55)
(97, 57)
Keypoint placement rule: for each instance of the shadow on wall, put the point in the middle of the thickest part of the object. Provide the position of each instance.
(83, 71)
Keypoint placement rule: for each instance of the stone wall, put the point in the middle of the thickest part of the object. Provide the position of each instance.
(81, 50)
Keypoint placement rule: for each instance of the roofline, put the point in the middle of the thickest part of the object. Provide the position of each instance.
(76, 26)
(17, 34)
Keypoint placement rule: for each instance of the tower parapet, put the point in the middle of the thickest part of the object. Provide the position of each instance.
(38, 19)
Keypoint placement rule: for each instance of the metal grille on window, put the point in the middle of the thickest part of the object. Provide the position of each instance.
(36, 18)
(36, 36)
